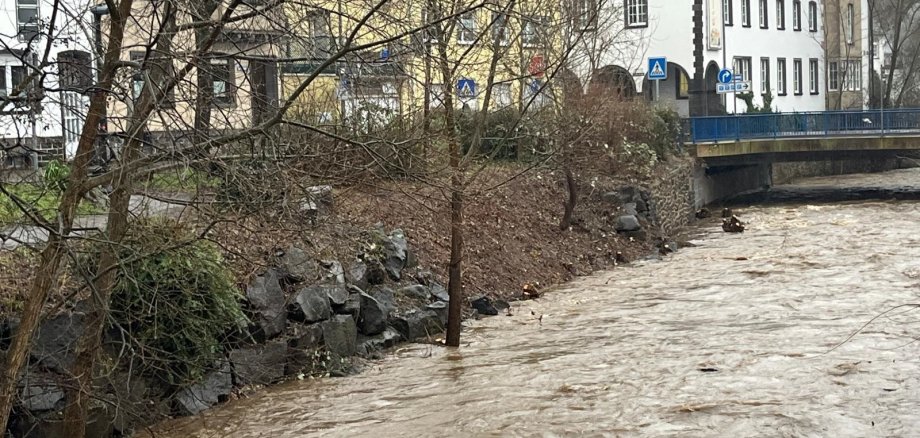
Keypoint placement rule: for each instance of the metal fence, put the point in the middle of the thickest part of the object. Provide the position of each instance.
(807, 124)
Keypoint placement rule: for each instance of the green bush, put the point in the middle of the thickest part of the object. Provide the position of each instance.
(174, 300)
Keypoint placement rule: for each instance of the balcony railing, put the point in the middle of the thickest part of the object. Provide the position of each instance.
(805, 124)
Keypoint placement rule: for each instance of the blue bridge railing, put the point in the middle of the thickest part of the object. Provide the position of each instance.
(806, 124)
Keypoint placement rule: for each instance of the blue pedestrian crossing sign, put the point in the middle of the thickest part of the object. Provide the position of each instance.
(466, 88)
(658, 69)
(726, 76)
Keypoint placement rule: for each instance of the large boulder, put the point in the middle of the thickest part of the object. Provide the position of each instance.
(416, 292)
(373, 316)
(266, 305)
(318, 201)
(441, 309)
(297, 265)
(56, 341)
(384, 296)
(340, 335)
(395, 251)
(357, 274)
(484, 306)
(352, 304)
(259, 364)
(439, 292)
(337, 293)
(376, 273)
(212, 389)
(370, 344)
(40, 392)
(627, 223)
(304, 341)
(418, 324)
(311, 304)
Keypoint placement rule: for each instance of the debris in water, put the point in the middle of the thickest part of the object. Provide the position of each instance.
(530, 291)
(732, 225)
(727, 213)
(709, 370)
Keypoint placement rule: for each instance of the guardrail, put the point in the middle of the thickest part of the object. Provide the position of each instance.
(806, 124)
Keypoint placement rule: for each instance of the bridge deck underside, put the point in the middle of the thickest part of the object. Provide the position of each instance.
(803, 149)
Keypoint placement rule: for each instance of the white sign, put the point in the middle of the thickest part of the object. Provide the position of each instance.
(734, 87)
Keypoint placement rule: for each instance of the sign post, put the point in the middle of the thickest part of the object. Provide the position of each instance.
(658, 71)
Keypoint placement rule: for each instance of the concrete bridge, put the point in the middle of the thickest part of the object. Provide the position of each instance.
(736, 153)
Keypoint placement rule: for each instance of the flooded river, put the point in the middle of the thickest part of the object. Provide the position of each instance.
(762, 334)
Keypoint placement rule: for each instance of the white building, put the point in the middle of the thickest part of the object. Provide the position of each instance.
(776, 45)
(43, 97)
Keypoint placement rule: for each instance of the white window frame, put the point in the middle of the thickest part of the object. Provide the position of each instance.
(501, 32)
(813, 76)
(436, 96)
(781, 14)
(20, 25)
(764, 75)
(501, 95)
(797, 15)
(533, 29)
(466, 28)
(833, 76)
(636, 13)
(727, 13)
(849, 23)
(746, 13)
(797, 77)
(812, 16)
(781, 77)
(764, 14)
(743, 66)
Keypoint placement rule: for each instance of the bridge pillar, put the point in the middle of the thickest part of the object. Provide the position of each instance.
(711, 184)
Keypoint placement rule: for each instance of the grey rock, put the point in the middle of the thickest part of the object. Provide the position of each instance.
(215, 387)
(627, 223)
(318, 200)
(373, 316)
(304, 337)
(357, 274)
(311, 304)
(395, 250)
(629, 208)
(501, 305)
(8, 328)
(385, 296)
(439, 292)
(259, 364)
(56, 341)
(337, 294)
(40, 392)
(441, 309)
(266, 305)
(370, 344)
(340, 335)
(334, 271)
(297, 265)
(352, 304)
(639, 235)
(417, 291)
(376, 273)
(418, 324)
(484, 306)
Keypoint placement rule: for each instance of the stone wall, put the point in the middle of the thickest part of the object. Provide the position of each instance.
(784, 173)
(672, 194)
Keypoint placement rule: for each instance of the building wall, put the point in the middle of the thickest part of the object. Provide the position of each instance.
(839, 51)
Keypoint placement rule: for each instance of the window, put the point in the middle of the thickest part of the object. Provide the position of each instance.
(536, 94)
(223, 81)
(139, 76)
(436, 95)
(3, 90)
(764, 75)
(742, 67)
(683, 86)
(431, 30)
(848, 24)
(813, 16)
(502, 95)
(781, 14)
(500, 31)
(75, 70)
(764, 17)
(26, 99)
(321, 42)
(727, 14)
(27, 18)
(833, 76)
(636, 13)
(585, 14)
(852, 76)
(797, 77)
(781, 76)
(466, 31)
(532, 31)
(746, 13)
(813, 76)
(796, 15)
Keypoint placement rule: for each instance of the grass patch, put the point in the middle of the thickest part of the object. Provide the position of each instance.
(43, 199)
(181, 180)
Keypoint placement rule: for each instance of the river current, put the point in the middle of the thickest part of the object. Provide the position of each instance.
(789, 329)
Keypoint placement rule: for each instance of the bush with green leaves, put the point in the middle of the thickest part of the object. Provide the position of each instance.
(174, 301)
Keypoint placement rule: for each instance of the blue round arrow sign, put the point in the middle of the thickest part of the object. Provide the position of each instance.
(726, 76)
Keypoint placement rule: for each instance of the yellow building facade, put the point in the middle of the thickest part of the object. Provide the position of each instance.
(405, 55)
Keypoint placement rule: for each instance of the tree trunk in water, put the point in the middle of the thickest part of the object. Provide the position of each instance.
(571, 201)
(455, 282)
(48, 271)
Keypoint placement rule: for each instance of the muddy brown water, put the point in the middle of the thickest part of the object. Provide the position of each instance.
(742, 335)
